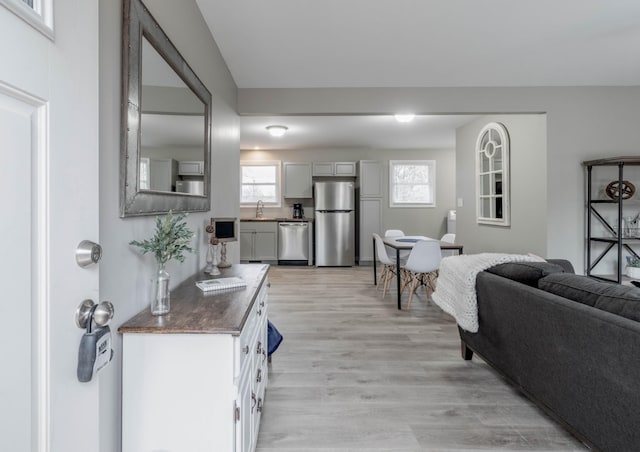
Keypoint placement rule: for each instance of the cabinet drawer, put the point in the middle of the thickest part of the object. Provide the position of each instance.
(259, 226)
(253, 332)
(245, 347)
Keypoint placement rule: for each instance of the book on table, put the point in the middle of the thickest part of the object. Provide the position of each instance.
(220, 284)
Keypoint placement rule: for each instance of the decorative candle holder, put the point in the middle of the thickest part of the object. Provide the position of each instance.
(223, 256)
(214, 264)
(210, 229)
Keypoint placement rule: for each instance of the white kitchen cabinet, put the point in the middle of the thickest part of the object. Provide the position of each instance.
(162, 174)
(297, 180)
(370, 222)
(191, 168)
(370, 179)
(258, 240)
(195, 380)
(323, 168)
(346, 169)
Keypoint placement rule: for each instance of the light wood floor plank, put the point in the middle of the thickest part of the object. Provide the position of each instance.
(355, 374)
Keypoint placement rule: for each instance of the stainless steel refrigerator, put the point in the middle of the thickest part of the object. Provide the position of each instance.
(335, 224)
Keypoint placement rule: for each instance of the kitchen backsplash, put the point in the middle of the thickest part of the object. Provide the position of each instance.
(284, 211)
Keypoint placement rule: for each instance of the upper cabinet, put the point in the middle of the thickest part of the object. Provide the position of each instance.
(191, 168)
(347, 169)
(370, 179)
(297, 180)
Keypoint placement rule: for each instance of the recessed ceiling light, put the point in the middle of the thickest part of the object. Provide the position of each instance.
(277, 131)
(404, 117)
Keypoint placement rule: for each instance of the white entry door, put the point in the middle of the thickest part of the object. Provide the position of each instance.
(49, 194)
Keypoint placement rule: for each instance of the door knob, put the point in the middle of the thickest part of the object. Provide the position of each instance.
(87, 311)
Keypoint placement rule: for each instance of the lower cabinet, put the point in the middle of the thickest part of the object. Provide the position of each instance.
(196, 392)
(258, 241)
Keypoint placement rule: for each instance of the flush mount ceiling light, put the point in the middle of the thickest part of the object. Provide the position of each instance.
(277, 131)
(404, 117)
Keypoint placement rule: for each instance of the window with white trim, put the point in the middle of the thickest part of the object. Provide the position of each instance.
(260, 181)
(412, 183)
(492, 175)
(37, 13)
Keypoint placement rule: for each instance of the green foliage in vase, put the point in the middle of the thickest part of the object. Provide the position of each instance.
(171, 240)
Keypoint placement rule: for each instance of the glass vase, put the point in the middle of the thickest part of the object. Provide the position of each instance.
(160, 303)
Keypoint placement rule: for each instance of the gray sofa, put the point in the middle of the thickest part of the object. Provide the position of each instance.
(568, 342)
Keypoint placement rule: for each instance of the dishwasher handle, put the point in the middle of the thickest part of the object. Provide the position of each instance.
(294, 224)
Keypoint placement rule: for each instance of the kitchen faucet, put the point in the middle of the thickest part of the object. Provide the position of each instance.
(259, 207)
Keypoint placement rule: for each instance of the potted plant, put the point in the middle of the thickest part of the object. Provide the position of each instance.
(633, 267)
(171, 240)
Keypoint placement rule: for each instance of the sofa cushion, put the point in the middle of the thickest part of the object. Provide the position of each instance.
(621, 300)
(525, 272)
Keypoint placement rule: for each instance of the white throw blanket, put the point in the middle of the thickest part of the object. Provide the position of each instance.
(456, 287)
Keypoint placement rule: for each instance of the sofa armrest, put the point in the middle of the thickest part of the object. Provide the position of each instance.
(565, 264)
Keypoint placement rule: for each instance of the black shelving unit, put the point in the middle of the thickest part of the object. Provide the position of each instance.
(615, 241)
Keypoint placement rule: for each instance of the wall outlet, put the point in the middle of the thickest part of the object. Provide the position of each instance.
(460, 202)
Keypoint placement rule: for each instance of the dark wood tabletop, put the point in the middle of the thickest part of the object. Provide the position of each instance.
(198, 312)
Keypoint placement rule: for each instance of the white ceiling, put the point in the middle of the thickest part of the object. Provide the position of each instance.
(330, 132)
(427, 43)
(417, 43)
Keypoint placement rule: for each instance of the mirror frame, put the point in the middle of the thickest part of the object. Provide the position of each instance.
(138, 23)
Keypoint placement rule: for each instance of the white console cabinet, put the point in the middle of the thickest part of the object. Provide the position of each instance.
(195, 380)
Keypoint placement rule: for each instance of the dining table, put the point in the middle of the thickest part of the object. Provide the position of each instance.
(407, 242)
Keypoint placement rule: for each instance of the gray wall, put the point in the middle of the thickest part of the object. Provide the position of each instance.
(528, 167)
(582, 123)
(124, 274)
(413, 221)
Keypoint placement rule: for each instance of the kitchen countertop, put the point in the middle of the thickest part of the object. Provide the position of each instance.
(289, 220)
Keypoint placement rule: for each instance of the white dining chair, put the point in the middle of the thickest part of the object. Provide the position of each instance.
(421, 268)
(404, 254)
(449, 238)
(393, 233)
(388, 265)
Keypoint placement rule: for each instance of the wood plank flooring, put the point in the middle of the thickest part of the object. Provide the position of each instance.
(355, 374)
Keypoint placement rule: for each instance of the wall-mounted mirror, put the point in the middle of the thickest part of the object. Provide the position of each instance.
(166, 123)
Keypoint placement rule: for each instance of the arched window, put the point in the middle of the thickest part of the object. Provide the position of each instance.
(492, 170)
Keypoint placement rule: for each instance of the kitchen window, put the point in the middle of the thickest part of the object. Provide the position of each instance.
(260, 181)
(412, 183)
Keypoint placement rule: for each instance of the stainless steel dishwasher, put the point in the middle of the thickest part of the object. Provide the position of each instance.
(293, 243)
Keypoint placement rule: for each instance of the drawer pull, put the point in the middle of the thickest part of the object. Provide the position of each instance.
(245, 349)
(262, 304)
(253, 401)
(268, 284)
(259, 311)
(259, 348)
(259, 376)
(259, 408)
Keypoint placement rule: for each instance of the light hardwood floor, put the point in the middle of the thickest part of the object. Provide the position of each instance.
(355, 374)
